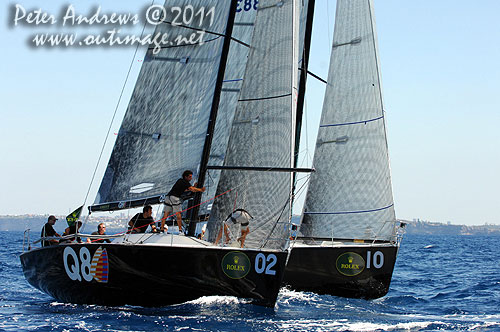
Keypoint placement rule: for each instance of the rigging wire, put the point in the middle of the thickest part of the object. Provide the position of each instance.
(239, 101)
(208, 200)
(290, 199)
(112, 120)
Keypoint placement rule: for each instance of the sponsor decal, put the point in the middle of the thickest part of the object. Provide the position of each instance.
(81, 266)
(99, 266)
(236, 264)
(350, 264)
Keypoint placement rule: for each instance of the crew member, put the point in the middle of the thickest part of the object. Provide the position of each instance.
(140, 222)
(48, 230)
(173, 202)
(101, 230)
(240, 217)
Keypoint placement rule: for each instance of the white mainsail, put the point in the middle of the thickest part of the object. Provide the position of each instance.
(350, 194)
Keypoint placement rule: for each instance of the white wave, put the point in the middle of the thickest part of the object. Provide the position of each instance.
(208, 300)
(409, 326)
(492, 318)
(286, 295)
(481, 326)
(62, 304)
(344, 326)
(429, 246)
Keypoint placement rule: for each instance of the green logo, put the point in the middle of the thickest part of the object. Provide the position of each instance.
(350, 264)
(236, 265)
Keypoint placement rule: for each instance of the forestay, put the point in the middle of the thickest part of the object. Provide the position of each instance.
(164, 128)
(350, 194)
(262, 132)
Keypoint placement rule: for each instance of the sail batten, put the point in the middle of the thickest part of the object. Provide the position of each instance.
(351, 123)
(350, 194)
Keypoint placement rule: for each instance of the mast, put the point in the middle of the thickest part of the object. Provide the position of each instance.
(213, 115)
(303, 78)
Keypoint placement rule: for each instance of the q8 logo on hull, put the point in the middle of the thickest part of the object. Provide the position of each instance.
(82, 267)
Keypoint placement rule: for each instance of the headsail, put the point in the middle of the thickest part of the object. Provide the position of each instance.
(350, 194)
(262, 133)
(233, 78)
(164, 129)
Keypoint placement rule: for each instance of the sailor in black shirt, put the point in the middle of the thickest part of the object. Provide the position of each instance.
(173, 202)
(101, 230)
(139, 223)
(48, 230)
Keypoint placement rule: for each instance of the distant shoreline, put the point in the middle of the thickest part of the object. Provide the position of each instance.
(429, 227)
(35, 222)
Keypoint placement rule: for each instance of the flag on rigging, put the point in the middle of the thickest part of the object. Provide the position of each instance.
(73, 216)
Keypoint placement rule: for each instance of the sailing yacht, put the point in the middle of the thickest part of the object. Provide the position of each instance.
(349, 235)
(225, 109)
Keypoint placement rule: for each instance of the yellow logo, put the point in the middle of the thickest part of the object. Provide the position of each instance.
(350, 264)
(235, 264)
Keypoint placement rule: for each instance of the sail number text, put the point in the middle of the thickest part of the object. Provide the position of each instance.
(265, 264)
(247, 5)
(377, 260)
(78, 268)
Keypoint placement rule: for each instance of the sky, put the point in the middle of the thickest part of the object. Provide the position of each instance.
(440, 78)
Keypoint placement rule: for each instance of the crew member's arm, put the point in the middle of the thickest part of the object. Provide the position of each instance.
(196, 190)
(132, 221)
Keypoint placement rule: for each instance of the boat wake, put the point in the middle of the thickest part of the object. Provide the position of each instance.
(287, 296)
(217, 300)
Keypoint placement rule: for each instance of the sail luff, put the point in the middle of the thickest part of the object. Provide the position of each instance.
(303, 75)
(379, 74)
(305, 38)
(293, 101)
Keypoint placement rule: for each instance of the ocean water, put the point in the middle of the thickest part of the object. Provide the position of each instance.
(440, 283)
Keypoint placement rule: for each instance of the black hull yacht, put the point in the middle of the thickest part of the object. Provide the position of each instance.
(342, 269)
(219, 102)
(164, 269)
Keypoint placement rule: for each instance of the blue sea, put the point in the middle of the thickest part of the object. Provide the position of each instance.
(440, 283)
